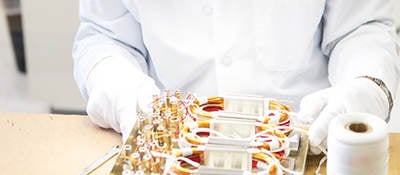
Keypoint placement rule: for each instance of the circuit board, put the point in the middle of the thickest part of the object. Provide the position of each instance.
(184, 134)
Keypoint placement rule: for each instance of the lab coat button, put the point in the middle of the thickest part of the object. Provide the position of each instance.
(207, 10)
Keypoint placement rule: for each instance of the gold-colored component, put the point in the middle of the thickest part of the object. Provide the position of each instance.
(163, 139)
(276, 105)
(178, 94)
(148, 132)
(149, 120)
(204, 115)
(156, 104)
(140, 142)
(147, 163)
(174, 127)
(168, 99)
(155, 166)
(156, 123)
(142, 123)
(262, 157)
(216, 100)
(140, 172)
(128, 165)
(162, 135)
(142, 152)
(135, 158)
(190, 138)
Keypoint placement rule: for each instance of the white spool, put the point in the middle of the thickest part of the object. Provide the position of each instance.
(358, 143)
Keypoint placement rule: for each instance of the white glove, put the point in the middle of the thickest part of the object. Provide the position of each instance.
(357, 95)
(114, 87)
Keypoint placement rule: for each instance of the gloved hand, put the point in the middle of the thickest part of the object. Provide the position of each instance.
(357, 95)
(114, 87)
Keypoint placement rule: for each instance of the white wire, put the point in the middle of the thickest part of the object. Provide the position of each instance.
(323, 150)
(277, 162)
(169, 163)
(184, 143)
(170, 160)
(321, 162)
(283, 141)
(191, 162)
(272, 137)
(162, 155)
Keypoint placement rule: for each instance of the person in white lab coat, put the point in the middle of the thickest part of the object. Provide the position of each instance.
(328, 56)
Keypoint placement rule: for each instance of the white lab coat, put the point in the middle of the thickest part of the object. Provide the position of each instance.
(277, 48)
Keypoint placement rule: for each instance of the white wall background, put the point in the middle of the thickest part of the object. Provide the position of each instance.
(49, 30)
(13, 92)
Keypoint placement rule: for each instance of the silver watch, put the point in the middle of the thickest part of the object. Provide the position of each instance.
(384, 88)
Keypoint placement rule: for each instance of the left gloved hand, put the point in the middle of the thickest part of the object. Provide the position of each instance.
(357, 95)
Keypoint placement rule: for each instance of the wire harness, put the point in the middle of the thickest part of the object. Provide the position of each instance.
(184, 134)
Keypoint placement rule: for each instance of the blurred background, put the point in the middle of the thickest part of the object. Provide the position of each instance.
(35, 58)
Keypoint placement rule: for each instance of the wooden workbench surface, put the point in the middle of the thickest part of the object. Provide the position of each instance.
(65, 144)
(51, 144)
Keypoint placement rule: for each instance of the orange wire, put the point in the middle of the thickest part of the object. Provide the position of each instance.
(185, 130)
(215, 100)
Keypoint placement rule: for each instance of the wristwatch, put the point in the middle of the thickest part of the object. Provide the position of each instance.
(384, 88)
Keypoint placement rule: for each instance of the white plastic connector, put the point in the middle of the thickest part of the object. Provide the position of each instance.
(230, 115)
(217, 171)
(294, 142)
(233, 128)
(253, 105)
(227, 157)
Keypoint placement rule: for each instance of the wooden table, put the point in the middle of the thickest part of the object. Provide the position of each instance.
(61, 144)
(51, 144)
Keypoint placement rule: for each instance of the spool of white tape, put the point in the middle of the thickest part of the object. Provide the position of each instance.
(358, 143)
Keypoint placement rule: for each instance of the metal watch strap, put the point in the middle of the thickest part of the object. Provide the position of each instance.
(384, 88)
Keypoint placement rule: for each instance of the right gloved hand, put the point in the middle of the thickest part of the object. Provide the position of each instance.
(355, 95)
(115, 86)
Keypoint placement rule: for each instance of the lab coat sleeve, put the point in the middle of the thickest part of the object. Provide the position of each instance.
(107, 30)
(359, 39)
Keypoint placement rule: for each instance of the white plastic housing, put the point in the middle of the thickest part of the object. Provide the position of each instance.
(233, 128)
(226, 157)
(246, 104)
